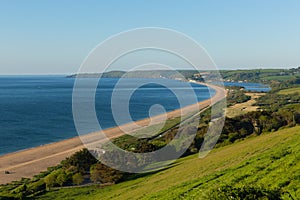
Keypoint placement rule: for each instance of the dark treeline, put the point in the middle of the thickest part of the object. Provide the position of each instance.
(236, 95)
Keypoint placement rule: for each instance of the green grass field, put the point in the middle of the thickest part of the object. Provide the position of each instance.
(271, 161)
(278, 78)
(289, 91)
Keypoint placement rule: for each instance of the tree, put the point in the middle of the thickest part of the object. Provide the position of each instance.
(81, 160)
(101, 173)
(95, 174)
(62, 178)
(77, 178)
(50, 180)
(37, 186)
(21, 191)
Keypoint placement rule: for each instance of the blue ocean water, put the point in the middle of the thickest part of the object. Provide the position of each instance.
(37, 110)
(253, 87)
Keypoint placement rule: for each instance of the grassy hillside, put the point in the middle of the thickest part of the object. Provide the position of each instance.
(290, 91)
(269, 161)
(261, 75)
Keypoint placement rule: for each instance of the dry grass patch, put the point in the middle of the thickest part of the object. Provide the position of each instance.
(245, 107)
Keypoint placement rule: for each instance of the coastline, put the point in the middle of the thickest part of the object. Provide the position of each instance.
(29, 162)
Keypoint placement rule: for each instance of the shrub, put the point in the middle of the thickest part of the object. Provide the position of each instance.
(101, 173)
(37, 186)
(62, 178)
(50, 180)
(244, 193)
(77, 178)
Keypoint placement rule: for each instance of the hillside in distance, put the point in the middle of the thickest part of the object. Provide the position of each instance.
(253, 75)
(171, 74)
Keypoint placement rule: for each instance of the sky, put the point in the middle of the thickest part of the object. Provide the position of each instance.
(55, 36)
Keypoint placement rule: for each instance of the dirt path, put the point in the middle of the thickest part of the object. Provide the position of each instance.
(30, 162)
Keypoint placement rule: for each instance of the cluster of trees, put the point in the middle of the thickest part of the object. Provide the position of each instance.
(274, 102)
(71, 170)
(236, 95)
(101, 173)
(246, 75)
(79, 168)
(256, 123)
(277, 111)
(61, 177)
(271, 119)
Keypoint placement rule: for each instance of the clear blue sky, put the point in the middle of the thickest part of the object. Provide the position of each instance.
(53, 37)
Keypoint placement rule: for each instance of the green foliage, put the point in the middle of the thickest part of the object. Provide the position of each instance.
(294, 91)
(134, 144)
(37, 187)
(45, 173)
(50, 180)
(262, 75)
(236, 95)
(274, 101)
(62, 178)
(242, 169)
(80, 161)
(244, 193)
(7, 198)
(20, 192)
(279, 111)
(57, 178)
(77, 178)
(101, 173)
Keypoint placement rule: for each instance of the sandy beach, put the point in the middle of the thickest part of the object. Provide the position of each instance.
(30, 162)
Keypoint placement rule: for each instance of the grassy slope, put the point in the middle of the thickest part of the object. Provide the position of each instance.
(270, 160)
(279, 78)
(289, 91)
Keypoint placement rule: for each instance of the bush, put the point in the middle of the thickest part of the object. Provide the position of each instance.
(101, 173)
(57, 178)
(50, 180)
(62, 178)
(244, 193)
(38, 186)
(6, 198)
(77, 178)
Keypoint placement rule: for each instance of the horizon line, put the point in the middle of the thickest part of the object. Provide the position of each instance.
(72, 73)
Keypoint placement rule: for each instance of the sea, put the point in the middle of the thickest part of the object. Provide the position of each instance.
(253, 87)
(37, 110)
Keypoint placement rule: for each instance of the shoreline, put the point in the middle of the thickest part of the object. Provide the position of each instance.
(29, 162)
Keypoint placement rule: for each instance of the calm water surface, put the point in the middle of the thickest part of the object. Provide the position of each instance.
(37, 110)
